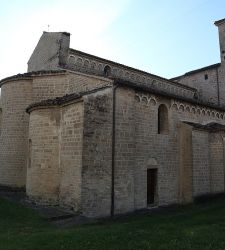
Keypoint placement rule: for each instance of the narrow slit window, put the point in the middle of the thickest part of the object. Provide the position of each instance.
(206, 76)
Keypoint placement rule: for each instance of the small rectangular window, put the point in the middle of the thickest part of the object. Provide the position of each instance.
(206, 77)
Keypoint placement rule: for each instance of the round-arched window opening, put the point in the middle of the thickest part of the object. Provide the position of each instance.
(163, 121)
(107, 71)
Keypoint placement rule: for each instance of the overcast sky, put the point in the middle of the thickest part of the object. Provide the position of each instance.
(163, 37)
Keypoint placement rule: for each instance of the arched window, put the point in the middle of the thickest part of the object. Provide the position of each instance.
(107, 71)
(163, 121)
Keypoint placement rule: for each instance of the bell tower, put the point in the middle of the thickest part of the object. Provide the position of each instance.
(221, 27)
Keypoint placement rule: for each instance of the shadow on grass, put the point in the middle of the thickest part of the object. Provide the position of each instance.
(197, 226)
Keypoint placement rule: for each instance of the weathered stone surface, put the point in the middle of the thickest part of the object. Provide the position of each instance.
(51, 52)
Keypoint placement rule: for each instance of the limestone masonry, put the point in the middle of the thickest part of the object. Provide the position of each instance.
(101, 138)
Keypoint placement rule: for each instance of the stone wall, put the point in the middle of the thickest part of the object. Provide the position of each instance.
(55, 155)
(79, 82)
(60, 84)
(163, 148)
(206, 82)
(210, 83)
(125, 153)
(78, 151)
(15, 97)
(50, 86)
(71, 152)
(145, 129)
(74, 166)
(221, 80)
(43, 166)
(17, 93)
(216, 149)
(97, 154)
(201, 163)
(189, 161)
(208, 163)
(139, 147)
(185, 170)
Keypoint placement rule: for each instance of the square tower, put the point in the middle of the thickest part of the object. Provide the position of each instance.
(221, 27)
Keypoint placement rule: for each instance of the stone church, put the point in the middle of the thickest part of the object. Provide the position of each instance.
(101, 138)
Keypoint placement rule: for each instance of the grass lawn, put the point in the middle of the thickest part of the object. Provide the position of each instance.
(198, 226)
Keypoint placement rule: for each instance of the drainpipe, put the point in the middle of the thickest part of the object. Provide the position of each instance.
(218, 87)
(113, 150)
(223, 142)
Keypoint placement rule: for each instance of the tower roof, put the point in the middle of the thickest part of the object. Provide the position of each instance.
(221, 21)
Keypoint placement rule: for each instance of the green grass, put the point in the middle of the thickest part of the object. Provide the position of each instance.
(198, 226)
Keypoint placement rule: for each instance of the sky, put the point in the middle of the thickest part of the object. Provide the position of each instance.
(163, 37)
